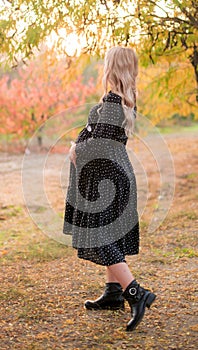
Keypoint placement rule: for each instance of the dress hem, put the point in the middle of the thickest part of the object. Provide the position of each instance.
(106, 264)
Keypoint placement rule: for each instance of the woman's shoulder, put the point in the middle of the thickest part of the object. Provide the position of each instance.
(109, 110)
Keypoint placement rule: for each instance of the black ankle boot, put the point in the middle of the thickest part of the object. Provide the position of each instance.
(138, 299)
(111, 299)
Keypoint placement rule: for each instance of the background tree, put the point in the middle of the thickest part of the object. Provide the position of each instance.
(171, 32)
(165, 33)
(38, 91)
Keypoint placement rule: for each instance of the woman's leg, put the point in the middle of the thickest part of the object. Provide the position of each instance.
(110, 278)
(137, 297)
(121, 274)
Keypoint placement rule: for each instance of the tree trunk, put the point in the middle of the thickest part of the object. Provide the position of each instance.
(194, 62)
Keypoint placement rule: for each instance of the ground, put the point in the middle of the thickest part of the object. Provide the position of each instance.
(44, 285)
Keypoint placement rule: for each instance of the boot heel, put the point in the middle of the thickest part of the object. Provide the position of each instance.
(150, 300)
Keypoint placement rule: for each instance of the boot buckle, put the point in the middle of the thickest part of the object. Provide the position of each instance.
(133, 291)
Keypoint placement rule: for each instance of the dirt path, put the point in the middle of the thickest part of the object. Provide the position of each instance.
(44, 285)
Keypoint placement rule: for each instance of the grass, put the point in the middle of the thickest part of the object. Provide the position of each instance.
(40, 249)
(46, 250)
(44, 285)
(12, 293)
(185, 252)
(177, 129)
(143, 224)
(10, 210)
(177, 252)
(189, 215)
(191, 176)
(17, 243)
(32, 245)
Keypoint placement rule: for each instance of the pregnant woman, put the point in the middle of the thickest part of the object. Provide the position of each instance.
(101, 202)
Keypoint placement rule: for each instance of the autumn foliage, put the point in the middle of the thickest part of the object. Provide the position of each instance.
(48, 85)
(38, 91)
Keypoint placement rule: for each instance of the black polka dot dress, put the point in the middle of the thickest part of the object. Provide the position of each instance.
(101, 200)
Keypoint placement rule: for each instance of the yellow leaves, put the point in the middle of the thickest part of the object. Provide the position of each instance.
(69, 322)
(3, 252)
(166, 89)
(4, 24)
(42, 335)
(33, 35)
(194, 328)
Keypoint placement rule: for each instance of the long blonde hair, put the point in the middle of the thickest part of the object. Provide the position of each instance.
(120, 72)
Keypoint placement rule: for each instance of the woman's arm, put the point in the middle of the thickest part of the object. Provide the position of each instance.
(72, 153)
(83, 140)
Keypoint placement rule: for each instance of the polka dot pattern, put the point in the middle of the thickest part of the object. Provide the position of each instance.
(103, 140)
